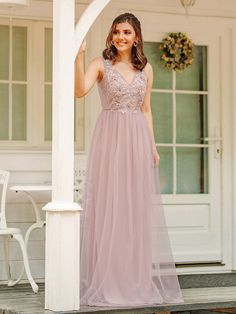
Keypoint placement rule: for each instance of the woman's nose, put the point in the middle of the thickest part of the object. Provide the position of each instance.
(121, 35)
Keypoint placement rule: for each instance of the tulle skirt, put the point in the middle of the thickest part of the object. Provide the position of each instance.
(126, 257)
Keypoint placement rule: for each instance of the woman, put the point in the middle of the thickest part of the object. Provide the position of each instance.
(126, 257)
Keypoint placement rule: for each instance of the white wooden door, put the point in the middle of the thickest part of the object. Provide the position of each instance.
(186, 112)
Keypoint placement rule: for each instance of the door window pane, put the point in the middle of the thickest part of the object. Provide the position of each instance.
(162, 77)
(162, 115)
(4, 52)
(191, 118)
(195, 76)
(192, 170)
(166, 169)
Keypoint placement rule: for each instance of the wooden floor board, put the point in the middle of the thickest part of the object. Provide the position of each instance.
(21, 300)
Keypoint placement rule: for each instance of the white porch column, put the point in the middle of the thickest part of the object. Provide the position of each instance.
(63, 216)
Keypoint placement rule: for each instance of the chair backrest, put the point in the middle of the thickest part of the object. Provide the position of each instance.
(4, 178)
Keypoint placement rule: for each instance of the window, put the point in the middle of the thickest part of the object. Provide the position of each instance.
(179, 108)
(26, 87)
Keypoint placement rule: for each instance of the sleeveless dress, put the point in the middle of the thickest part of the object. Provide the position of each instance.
(126, 257)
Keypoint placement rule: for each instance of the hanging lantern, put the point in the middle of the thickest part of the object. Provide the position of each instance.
(10, 4)
(187, 4)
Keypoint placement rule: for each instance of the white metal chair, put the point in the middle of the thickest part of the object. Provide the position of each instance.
(15, 233)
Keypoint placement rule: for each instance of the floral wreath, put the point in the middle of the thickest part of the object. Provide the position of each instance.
(177, 51)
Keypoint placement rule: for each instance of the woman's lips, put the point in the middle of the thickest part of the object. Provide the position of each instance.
(121, 44)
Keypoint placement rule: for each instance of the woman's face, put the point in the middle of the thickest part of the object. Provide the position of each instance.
(124, 37)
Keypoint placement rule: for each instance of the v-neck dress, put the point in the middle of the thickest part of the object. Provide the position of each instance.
(126, 256)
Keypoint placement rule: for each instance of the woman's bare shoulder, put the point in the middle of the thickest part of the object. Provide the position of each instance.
(97, 63)
(148, 69)
(149, 74)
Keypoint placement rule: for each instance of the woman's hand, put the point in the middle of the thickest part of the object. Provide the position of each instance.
(156, 157)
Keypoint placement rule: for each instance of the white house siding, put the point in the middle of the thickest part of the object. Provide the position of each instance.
(34, 166)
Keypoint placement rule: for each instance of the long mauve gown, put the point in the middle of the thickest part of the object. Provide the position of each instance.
(126, 257)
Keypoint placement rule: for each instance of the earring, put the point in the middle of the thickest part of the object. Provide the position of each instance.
(135, 44)
(112, 42)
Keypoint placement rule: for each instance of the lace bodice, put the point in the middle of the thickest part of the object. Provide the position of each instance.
(119, 95)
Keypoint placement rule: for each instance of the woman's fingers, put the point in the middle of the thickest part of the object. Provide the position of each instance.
(156, 160)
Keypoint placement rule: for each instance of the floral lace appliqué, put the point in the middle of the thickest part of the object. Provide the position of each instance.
(120, 95)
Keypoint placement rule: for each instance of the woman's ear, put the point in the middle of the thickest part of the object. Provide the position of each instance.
(137, 40)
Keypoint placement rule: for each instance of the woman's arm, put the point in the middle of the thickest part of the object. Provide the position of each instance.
(146, 109)
(84, 81)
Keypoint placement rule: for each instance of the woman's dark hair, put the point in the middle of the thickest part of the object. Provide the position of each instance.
(138, 58)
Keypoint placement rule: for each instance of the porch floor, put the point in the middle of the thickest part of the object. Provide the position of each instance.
(21, 299)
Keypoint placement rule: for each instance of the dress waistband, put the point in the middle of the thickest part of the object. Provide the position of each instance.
(122, 110)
